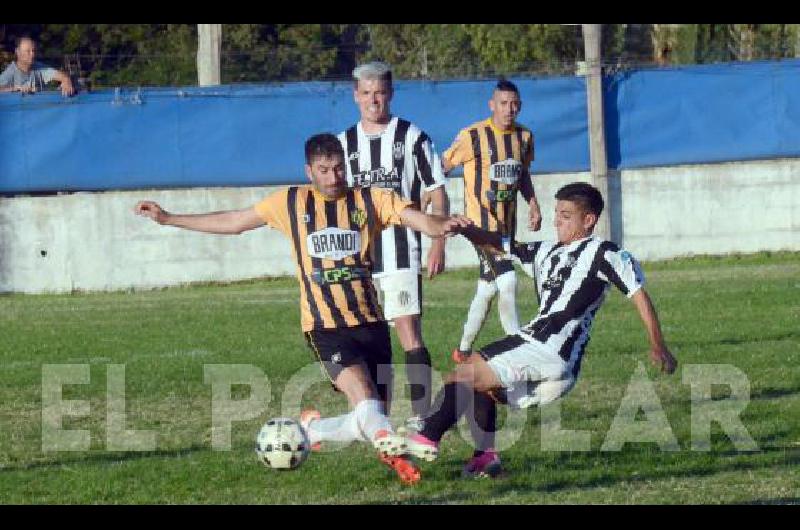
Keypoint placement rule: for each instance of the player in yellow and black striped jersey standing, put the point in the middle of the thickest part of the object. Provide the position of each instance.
(332, 229)
(496, 154)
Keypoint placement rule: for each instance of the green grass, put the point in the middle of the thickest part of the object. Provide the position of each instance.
(739, 310)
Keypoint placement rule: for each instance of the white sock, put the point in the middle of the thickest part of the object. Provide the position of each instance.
(371, 418)
(477, 313)
(507, 301)
(342, 428)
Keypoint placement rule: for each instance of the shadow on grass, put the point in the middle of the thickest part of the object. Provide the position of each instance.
(102, 457)
(773, 393)
(738, 341)
(624, 470)
(787, 500)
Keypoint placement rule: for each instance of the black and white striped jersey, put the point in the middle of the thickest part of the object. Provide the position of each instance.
(571, 283)
(401, 158)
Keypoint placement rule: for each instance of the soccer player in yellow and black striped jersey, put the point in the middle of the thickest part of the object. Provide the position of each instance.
(332, 230)
(496, 154)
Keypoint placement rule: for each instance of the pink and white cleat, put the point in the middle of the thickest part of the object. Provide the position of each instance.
(486, 465)
(422, 447)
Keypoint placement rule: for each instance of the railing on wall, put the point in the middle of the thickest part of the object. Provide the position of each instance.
(245, 135)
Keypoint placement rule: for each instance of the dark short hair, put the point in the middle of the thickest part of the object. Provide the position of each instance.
(19, 39)
(584, 195)
(504, 85)
(323, 145)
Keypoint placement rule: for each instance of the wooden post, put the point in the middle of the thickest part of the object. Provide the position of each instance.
(209, 46)
(597, 137)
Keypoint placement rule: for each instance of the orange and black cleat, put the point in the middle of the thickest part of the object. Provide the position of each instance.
(406, 469)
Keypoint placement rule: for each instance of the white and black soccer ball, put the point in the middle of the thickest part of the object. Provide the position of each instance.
(282, 443)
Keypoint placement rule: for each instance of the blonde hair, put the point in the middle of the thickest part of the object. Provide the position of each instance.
(374, 70)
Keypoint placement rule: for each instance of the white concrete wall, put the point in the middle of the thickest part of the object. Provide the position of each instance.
(93, 241)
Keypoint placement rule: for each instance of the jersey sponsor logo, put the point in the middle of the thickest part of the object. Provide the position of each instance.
(353, 156)
(398, 149)
(557, 280)
(378, 178)
(359, 217)
(501, 195)
(506, 172)
(339, 275)
(333, 243)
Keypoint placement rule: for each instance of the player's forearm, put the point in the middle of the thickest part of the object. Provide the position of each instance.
(491, 242)
(649, 318)
(211, 223)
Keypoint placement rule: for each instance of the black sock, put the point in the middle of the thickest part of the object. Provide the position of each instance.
(451, 403)
(418, 369)
(483, 422)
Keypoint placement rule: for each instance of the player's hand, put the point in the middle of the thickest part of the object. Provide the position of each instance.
(25, 89)
(67, 89)
(436, 258)
(534, 216)
(455, 223)
(152, 210)
(662, 358)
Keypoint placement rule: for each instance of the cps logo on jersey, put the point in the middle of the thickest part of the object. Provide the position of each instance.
(399, 147)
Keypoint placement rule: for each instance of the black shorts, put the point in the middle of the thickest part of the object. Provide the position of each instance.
(368, 344)
(493, 265)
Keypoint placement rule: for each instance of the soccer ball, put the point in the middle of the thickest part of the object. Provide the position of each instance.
(282, 443)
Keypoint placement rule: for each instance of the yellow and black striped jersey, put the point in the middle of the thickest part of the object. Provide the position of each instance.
(332, 241)
(495, 164)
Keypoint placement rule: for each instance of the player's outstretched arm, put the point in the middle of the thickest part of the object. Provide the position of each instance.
(434, 225)
(491, 242)
(659, 353)
(227, 222)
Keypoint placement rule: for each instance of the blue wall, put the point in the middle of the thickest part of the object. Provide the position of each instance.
(254, 134)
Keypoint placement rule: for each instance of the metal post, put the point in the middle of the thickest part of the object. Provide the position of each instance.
(209, 46)
(597, 138)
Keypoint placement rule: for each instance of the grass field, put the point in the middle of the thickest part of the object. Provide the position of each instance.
(741, 311)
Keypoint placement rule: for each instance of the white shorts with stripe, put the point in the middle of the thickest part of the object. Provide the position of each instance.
(529, 372)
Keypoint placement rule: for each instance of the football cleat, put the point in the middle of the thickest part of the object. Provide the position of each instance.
(389, 444)
(422, 448)
(406, 470)
(486, 465)
(306, 417)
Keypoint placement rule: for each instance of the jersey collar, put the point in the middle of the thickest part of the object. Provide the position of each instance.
(496, 129)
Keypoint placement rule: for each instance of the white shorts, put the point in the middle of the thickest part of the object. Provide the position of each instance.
(401, 293)
(530, 374)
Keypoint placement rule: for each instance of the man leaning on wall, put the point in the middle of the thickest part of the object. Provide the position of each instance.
(26, 75)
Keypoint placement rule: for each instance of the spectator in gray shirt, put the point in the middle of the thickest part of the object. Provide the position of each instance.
(27, 76)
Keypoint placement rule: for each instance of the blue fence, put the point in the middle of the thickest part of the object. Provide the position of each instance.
(254, 134)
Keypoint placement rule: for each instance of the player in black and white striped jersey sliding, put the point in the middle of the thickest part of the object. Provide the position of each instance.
(389, 152)
(540, 362)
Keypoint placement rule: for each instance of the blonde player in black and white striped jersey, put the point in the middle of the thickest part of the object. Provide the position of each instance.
(386, 151)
